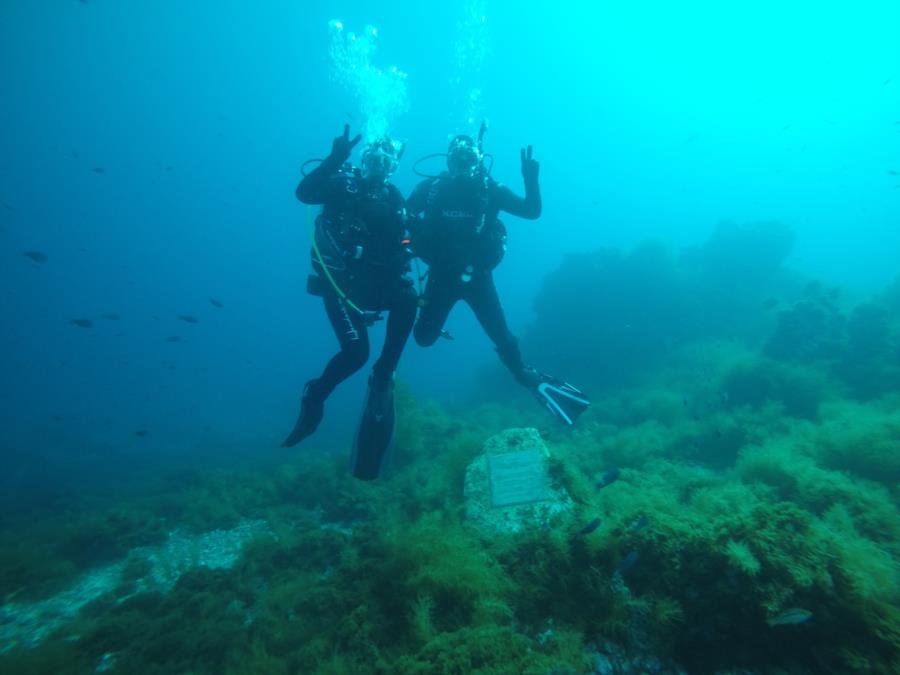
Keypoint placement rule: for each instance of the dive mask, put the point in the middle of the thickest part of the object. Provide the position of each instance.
(381, 158)
(463, 156)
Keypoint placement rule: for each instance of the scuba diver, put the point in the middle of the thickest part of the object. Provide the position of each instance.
(360, 261)
(460, 237)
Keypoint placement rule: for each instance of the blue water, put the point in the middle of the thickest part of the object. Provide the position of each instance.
(656, 121)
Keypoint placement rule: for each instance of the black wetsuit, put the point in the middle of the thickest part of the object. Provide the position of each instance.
(461, 239)
(359, 235)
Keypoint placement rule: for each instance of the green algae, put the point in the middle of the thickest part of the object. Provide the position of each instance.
(758, 473)
(369, 583)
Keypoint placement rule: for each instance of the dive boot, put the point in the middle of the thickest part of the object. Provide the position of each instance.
(376, 430)
(312, 408)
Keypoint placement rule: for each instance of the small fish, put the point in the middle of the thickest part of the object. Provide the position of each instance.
(640, 524)
(887, 81)
(786, 127)
(155, 317)
(791, 617)
(82, 323)
(216, 303)
(7, 206)
(168, 168)
(98, 169)
(590, 527)
(627, 562)
(111, 316)
(36, 256)
(187, 318)
(56, 418)
(691, 139)
(608, 478)
(893, 173)
(173, 338)
(12, 596)
(140, 433)
(769, 303)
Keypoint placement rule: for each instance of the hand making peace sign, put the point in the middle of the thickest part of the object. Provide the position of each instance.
(530, 167)
(342, 146)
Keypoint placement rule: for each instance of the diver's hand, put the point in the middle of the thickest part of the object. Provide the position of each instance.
(342, 146)
(530, 167)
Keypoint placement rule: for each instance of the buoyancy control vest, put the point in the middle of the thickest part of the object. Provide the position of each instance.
(459, 228)
(361, 236)
(362, 227)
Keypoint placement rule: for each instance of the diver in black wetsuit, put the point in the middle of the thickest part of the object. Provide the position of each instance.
(361, 265)
(461, 238)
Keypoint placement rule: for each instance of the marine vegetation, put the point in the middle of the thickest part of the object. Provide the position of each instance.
(736, 509)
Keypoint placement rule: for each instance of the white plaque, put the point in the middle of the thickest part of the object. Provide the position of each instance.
(518, 478)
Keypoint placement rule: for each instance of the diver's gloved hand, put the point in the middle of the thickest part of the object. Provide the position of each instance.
(530, 167)
(342, 146)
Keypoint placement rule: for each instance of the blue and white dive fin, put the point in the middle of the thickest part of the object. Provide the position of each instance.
(563, 400)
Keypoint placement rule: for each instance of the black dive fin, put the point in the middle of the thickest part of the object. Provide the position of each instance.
(376, 431)
(312, 408)
(562, 399)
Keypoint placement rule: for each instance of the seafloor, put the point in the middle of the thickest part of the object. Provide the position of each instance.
(752, 414)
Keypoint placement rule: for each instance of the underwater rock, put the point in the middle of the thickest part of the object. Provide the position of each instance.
(746, 252)
(508, 487)
(812, 330)
(869, 331)
(609, 658)
(27, 624)
(635, 308)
